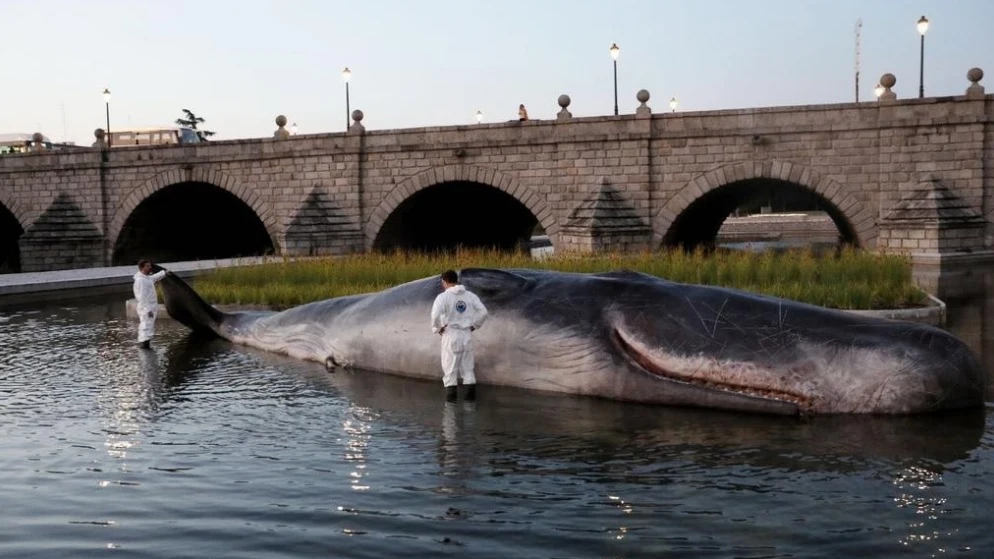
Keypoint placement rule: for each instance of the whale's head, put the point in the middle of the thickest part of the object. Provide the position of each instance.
(639, 338)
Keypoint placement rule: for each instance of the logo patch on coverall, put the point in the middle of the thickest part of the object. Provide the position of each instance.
(460, 306)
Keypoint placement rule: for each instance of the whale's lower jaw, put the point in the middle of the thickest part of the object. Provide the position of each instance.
(652, 366)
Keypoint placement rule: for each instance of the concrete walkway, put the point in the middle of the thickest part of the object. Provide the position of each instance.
(41, 285)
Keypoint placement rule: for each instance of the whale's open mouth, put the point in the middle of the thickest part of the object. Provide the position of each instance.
(652, 366)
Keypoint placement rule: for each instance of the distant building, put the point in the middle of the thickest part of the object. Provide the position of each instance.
(20, 143)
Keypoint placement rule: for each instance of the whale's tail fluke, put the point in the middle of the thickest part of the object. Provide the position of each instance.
(186, 306)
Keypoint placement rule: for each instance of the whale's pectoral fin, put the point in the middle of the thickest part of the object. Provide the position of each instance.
(491, 282)
(332, 362)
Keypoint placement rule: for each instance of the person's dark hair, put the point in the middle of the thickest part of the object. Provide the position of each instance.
(449, 276)
(141, 263)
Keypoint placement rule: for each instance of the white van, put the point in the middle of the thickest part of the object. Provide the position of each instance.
(153, 136)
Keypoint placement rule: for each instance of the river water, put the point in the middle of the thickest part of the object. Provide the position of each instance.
(211, 450)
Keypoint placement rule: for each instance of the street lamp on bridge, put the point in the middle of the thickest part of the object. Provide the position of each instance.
(878, 91)
(614, 54)
(673, 104)
(479, 116)
(346, 75)
(922, 28)
(107, 108)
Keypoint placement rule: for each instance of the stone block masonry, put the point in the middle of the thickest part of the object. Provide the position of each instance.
(903, 175)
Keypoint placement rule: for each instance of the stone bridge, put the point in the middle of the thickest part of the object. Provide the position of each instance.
(912, 175)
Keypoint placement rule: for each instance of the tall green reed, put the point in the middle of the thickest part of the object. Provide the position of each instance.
(849, 279)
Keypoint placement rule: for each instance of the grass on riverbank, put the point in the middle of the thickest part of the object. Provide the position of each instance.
(850, 280)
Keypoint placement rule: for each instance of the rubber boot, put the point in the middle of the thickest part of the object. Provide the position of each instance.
(450, 393)
(470, 392)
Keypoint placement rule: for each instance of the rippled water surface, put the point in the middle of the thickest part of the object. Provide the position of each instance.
(202, 449)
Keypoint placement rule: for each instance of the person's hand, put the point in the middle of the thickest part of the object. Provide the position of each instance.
(441, 330)
(472, 328)
(150, 314)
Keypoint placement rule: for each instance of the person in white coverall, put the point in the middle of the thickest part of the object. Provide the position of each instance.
(147, 300)
(455, 314)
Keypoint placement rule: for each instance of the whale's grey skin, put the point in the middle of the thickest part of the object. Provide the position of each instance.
(626, 336)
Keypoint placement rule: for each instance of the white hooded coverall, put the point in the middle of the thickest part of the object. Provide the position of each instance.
(147, 303)
(457, 309)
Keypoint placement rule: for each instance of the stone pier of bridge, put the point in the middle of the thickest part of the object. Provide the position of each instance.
(900, 175)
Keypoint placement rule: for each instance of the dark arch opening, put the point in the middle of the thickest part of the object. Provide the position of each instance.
(10, 234)
(191, 221)
(449, 215)
(700, 223)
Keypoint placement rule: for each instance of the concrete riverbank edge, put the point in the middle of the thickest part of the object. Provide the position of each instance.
(933, 314)
(61, 285)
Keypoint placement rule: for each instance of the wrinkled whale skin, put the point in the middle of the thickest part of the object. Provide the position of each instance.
(626, 336)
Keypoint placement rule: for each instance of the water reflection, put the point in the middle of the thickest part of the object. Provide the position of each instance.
(510, 432)
(142, 384)
(234, 445)
(599, 429)
(356, 430)
(920, 491)
(457, 455)
(968, 292)
(147, 384)
(131, 397)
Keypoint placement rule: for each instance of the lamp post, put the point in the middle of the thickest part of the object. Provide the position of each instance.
(614, 54)
(346, 75)
(673, 104)
(107, 108)
(293, 129)
(922, 28)
(479, 116)
(878, 91)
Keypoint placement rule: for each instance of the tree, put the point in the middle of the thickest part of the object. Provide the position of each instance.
(191, 121)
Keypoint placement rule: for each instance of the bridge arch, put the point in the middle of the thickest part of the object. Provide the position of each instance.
(13, 224)
(12, 205)
(222, 185)
(720, 189)
(495, 186)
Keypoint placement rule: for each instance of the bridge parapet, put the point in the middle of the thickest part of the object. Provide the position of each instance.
(592, 183)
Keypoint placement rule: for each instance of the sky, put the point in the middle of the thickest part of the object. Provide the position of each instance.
(416, 63)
